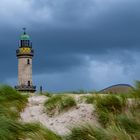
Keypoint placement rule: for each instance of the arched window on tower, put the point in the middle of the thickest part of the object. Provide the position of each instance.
(28, 61)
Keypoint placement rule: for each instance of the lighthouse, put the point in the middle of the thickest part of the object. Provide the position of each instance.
(25, 55)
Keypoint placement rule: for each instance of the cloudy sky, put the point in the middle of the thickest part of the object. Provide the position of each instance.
(79, 44)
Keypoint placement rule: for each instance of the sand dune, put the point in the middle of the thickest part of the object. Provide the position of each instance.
(60, 124)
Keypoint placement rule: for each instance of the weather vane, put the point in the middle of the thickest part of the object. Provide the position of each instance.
(24, 29)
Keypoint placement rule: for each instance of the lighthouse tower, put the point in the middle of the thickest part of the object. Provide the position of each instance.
(25, 54)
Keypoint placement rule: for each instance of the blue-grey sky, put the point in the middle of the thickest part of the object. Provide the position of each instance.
(79, 44)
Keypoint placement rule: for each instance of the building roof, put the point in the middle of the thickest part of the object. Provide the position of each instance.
(24, 37)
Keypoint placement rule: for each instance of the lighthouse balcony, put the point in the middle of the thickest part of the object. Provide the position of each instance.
(25, 88)
(23, 52)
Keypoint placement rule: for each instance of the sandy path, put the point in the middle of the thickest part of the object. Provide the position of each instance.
(34, 112)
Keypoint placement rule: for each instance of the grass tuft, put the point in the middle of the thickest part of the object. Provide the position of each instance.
(90, 99)
(11, 102)
(108, 106)
(58, 103)
(87, 132)
(15, 130)
(131, 124)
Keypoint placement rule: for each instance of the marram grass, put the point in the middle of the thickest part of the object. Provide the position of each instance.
(11, 103)
(87, 132)
(122, 123)
(123, 127)
(58, 103)
(15, 130)
(108, 106)
(90, 99)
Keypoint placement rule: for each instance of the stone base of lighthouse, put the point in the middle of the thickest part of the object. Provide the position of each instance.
(25, 88)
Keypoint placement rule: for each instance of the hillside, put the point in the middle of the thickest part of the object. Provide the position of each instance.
(120, 88)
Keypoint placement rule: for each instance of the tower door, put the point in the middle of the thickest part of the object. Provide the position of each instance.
(29, 83)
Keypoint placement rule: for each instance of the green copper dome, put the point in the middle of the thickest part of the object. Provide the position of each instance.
(25, 37)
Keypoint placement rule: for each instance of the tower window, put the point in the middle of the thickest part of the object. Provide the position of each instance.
(28, 61)
(29, 83)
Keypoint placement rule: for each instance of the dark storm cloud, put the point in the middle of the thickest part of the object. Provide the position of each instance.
(117, 27)
(68, 34)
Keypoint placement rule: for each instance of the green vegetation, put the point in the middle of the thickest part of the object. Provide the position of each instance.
(81, 91)
(136, 91)
(118, 115)
(122, 127)
(15, 130)
(108, 106)
(110, 103)
(130, 123)
(119, 118)
(48, 94)
(58, 103)
(87, 132)
(11, 103)
(89, 99)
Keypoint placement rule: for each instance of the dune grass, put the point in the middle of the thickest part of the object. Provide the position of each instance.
(48, 94)
(15, 130)
(136, 90)
(122, 127)
(90, 99)
(118, 121)
(108, 106)
(87, 132)
(11, 104)
(58, 103)
(130, 123)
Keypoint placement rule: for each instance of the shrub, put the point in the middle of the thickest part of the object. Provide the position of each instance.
(59, 103)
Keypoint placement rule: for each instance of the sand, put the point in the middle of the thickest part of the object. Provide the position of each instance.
(62, 122)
